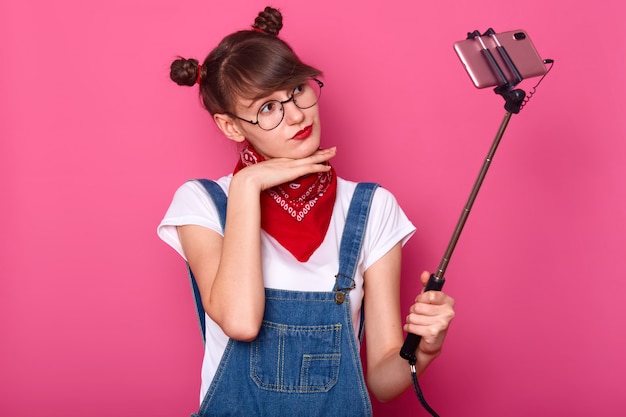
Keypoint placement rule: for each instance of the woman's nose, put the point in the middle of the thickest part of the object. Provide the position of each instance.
(293, 113)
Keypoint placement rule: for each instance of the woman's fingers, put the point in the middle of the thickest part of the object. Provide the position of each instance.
(278, 171)
(430, 316)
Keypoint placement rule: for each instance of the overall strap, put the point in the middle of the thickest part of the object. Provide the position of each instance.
(219, 198)
(352, 239)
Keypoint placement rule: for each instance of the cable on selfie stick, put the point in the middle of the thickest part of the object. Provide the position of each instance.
(534, 88)
(514, 101)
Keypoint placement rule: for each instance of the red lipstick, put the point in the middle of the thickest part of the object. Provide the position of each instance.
(304, 133)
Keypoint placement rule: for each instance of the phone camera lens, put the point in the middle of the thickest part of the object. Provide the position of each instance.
(519, 36)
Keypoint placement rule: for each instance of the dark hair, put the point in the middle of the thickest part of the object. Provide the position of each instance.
(246, 64)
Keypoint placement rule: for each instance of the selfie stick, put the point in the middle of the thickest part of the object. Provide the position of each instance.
(436, 280)
(513, 101)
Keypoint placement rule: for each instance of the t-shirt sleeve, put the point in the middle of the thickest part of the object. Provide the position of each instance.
(387, 225)
(191, 205)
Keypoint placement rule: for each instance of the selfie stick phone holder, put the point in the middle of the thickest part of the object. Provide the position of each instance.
(514, 99)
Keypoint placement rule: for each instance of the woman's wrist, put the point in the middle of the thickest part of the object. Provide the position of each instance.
(426, 353)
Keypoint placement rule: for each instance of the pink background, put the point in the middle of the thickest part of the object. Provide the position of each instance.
(96, 316)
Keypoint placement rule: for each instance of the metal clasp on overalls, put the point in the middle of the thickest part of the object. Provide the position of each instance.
(340, 295)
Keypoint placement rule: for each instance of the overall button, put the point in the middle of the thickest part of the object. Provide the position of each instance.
(340, 297)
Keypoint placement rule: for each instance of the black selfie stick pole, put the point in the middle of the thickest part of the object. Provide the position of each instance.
(436, 280)
(513, 102)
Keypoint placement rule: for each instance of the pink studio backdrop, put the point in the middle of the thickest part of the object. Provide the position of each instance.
(96, 316)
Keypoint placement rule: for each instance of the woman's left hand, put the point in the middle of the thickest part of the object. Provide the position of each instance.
(430, 317)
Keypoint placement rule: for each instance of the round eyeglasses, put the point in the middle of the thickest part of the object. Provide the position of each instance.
(272, 113)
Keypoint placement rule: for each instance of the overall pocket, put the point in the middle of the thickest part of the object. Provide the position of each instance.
(296, 359)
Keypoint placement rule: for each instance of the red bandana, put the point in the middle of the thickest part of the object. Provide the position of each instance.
(297, 214)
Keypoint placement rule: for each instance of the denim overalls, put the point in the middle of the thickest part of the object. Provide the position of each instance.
(305, 360)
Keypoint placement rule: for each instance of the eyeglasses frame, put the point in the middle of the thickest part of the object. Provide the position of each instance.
(282, 103)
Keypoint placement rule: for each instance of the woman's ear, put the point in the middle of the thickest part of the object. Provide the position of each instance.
(228, 126)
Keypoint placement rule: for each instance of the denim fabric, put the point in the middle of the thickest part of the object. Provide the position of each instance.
(221, 202)
(305, 360)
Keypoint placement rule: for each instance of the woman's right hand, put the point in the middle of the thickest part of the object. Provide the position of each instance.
(276, 171)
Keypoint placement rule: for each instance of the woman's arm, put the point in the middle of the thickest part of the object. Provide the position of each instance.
(388, 375)
(228, 270)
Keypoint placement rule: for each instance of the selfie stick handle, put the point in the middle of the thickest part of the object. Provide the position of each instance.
(436, 281)
(412, 340)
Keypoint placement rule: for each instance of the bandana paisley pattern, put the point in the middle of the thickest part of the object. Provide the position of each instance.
(297, 214)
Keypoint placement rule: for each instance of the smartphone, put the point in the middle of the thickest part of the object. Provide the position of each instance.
(518, 46)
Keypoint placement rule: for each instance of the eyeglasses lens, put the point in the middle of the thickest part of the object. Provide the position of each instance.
(304, 96)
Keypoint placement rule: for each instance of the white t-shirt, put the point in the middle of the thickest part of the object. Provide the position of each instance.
(387, 225)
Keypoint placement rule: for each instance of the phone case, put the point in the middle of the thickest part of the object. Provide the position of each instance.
(517, 44)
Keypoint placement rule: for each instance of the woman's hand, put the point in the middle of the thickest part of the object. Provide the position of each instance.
(388, 374)
(276, 171)
(430, 317)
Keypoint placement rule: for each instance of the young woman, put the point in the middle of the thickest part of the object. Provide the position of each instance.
(287, 279)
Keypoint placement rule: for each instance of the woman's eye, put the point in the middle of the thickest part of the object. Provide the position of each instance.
(298, 90)
(269, 107)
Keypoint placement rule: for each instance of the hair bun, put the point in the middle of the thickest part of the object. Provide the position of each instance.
(184, 71)
(269, 21)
